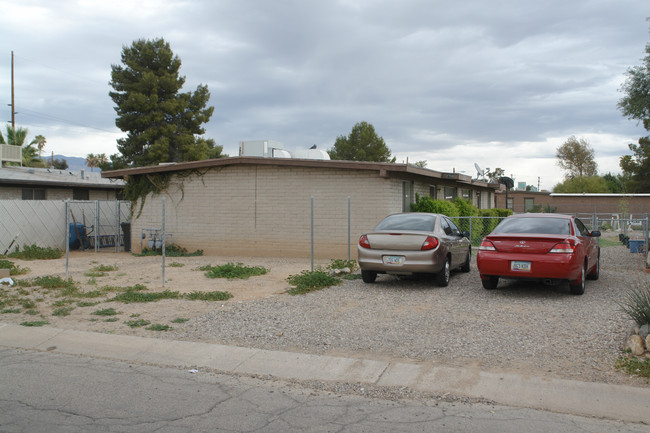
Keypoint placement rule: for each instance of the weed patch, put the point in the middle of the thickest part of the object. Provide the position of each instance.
(35, 323)
(138, 296)
(111, 319)
(208, 296)
(13, 269)
(10, 311)
(342, 264)
(105, 312)
(176, 265)
(158, 327)
(309, 281)
(634, 366)
(64, 311)
(171, 251)
(180, 320)
(137, 323)
(231, 271)
(86, 304)
(34, 252)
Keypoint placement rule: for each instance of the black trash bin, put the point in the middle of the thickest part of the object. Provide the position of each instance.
(126, 229)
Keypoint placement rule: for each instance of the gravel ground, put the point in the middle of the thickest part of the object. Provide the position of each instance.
(522, 327)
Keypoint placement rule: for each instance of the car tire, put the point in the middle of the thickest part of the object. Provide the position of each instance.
(579, 289)
(466, 267)
(442, 277)
(490, 283)
(368, 276)
(595, 272)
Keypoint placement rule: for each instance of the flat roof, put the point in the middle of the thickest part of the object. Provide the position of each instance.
(384, 168)
(59, 178)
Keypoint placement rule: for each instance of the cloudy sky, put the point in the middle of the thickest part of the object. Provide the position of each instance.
(498, 83)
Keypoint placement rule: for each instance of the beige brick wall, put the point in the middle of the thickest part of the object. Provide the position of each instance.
(11, 193)
(265, 210)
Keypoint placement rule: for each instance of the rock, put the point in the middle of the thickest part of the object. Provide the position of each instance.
(631, 330)
(636, 345)
(644, 330)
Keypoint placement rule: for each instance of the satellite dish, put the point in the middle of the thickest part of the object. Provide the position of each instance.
(507, 181)
(479, 172)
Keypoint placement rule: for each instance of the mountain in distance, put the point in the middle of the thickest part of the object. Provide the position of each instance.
(75, 163)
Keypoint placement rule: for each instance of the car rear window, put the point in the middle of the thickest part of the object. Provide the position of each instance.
(549, 226)
(424, 223)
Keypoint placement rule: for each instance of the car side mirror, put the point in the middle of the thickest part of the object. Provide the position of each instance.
(465, 234)
(595, 234)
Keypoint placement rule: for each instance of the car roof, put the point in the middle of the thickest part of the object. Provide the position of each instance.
(541, 215)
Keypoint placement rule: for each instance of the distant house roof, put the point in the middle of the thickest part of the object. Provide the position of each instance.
(385, 169)
(57, 178)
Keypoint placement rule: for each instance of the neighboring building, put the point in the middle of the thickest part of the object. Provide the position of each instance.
(525, 201)
(27, 183)
(262, 206)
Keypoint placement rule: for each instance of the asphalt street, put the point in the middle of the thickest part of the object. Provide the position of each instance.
(46, 391)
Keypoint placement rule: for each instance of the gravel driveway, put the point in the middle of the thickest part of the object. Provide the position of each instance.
(527, 328)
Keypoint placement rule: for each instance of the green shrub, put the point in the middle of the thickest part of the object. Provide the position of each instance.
(636, 304)
(464, 207)
(180, 320)
(35, 323)
(231, 270)
(158, 327)
(428, 204)
(308, 281)
(138, 323)
(34, 252)
(64, 311)
(341, 264)
(105, 312)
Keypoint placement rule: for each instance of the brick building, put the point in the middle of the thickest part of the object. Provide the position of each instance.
(525, 201)
(262, 206)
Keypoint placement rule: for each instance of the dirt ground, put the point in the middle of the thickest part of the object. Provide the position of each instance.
(181, 274)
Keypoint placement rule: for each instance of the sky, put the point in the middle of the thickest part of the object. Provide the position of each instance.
(485, 82)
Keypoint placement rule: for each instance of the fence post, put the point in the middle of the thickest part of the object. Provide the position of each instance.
(349, 224)
(67, 237)
(163, 241)
(96, 231)
(312, 233)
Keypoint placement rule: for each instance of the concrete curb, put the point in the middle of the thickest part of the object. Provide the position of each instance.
(626, 403)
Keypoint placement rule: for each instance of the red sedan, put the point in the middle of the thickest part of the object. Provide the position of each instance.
(546, 247)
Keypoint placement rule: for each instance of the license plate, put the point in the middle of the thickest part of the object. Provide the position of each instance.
(520, 266)
(393, 260)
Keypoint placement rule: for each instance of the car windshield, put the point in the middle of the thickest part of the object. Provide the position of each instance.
(549, 226)
(417, 222)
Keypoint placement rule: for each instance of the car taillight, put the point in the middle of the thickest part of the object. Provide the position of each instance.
(486, 246)
(429, 243)
(563, 248)
(363, 241)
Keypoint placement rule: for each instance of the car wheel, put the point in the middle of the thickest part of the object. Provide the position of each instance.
(442, 277)
(578, 289)
(468, 261)
(490, 283)
(595, 273)
(368, 276)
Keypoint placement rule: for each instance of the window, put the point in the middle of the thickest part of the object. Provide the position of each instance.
(450, 192)
(478, 199)
(581, 228)
(80, 194)
(33, 194)
(453, 228)
(407, 195)
(432, 191)
(466, 194)
(510, 204)
(529, 203)
(444, 223)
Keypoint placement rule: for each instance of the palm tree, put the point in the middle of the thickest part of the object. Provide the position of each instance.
(92, 160)
(39, 141)
(16, 137)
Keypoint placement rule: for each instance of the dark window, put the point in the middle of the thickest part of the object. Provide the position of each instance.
(412, 221)
(80, 194)
(432, 192)
(444, 223)
(33, 194)
(550, 226)
(450, 192)
(581, 228)
(454, 228)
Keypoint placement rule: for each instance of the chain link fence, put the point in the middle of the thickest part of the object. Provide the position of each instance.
(94, 224)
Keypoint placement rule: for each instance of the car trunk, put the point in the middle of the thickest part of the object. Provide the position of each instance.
(396, 241)
(535, 244)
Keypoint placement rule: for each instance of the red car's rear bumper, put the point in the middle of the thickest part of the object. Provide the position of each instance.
(542, 266)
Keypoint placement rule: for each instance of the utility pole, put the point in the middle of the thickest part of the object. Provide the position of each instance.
(13, 102)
